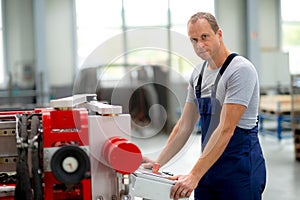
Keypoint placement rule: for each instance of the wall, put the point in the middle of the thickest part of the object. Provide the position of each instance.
(269, 25)
(274, 63)
(231, 16)
(275, 70)
(60, 42)
(20, 39)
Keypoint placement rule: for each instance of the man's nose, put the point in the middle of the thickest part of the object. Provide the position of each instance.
(200, 45)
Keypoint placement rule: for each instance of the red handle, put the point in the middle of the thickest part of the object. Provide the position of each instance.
(122, 155)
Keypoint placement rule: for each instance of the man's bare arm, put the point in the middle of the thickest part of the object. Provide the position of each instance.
(230, 116)
(180, 133)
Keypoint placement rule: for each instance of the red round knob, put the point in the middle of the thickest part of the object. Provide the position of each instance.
(122, 155)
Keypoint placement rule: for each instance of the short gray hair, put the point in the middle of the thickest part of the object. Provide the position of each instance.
(209, 17)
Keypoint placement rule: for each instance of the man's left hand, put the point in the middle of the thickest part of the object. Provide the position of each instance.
(184, 186)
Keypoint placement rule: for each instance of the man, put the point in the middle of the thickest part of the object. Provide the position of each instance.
(224, 93)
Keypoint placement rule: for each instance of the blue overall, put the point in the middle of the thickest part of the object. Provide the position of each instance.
(240, 172)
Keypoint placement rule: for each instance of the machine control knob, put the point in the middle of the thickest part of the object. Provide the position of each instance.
(122, 155)
(70, 164)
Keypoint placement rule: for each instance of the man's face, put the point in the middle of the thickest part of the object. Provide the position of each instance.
(205, 41)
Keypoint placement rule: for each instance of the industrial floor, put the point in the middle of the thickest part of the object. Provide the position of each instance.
(283, 171)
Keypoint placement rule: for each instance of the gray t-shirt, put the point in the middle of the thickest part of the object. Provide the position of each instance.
(238, 85)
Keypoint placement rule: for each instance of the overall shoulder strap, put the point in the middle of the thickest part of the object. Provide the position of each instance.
(222, 70)
(227, 62)
(199, 82)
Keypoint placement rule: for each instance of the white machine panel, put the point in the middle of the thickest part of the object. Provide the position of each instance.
(149, 185)
(101, 128)
(70, 102)
(104, 109)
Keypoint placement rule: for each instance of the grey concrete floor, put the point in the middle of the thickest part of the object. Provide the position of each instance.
(283, 172)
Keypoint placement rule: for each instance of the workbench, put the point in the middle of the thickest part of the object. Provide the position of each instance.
(277, 108)
(295, 93)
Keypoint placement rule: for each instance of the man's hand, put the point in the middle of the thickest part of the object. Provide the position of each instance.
(184, 186)
(147, 163)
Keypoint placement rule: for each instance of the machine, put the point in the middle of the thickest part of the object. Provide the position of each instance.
(78, 148)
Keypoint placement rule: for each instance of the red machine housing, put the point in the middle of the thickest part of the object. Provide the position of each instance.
(62, 128)
(103, 140)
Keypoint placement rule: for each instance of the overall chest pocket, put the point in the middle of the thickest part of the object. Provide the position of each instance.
(207, 106)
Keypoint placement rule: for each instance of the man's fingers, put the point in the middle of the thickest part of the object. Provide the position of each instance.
(147, 165)
(146, 160)
(176, 189)
(173, 177)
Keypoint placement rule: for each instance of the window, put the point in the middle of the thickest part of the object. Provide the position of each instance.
(291, 32)
(146, 13)
(181, 11)
(97, 22)
(143, 32)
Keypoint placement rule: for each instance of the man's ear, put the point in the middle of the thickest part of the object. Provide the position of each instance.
(220, 34)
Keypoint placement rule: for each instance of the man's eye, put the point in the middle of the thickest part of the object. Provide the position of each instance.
(194, 40)
(203, 37)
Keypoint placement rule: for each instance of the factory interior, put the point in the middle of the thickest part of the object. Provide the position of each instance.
(96, 85)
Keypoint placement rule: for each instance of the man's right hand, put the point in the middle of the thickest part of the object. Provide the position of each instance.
(147, 163)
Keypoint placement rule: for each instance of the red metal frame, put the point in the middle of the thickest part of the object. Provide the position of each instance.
(63, 126)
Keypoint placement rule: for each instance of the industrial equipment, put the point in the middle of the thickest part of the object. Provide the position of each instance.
(78, 148)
